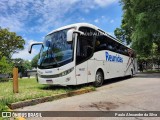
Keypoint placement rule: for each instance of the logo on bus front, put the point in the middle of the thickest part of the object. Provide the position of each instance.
(113, 58)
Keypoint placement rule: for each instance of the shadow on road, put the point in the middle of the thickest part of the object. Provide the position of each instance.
(114, 80)
(139, 75)
(148, 75)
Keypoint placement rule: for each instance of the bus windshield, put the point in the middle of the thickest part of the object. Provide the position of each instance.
(56, 51)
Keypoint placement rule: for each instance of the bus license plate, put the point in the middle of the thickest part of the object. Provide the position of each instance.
(49, 81)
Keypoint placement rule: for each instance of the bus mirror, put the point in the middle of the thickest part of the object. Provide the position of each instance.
(70, 34)
(32, 44)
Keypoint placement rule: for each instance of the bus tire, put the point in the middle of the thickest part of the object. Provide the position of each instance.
(99, 78)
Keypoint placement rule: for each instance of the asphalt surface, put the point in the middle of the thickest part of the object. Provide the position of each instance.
(140, 93)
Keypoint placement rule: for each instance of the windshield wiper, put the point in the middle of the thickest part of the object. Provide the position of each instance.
(56, 61)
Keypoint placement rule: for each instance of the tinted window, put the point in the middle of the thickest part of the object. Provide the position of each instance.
(85, 44)
(103, 42)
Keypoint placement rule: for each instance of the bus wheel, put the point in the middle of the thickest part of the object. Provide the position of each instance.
(99, 78)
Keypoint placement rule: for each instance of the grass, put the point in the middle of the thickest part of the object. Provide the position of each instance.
(30, 89)
(152, 71)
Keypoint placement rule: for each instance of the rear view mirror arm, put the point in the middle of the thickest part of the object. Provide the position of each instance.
(32, 44)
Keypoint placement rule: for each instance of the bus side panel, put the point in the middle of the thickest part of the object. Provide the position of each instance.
(81, 73)
(108, 72)
(91, 70)
(115, 69)
(100, 62)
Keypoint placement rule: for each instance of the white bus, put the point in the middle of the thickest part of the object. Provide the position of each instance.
(82, 53)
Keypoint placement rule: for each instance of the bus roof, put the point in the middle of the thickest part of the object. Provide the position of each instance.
(77, 25)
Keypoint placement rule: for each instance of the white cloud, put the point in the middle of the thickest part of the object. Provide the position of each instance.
(104, 3)
(101, 20)
(96, 20)
(31, 41)
(43, 15)
(16, 14)
(24, 53)
(11, 23)
(102, 17)
(82, 19)
(112, 21)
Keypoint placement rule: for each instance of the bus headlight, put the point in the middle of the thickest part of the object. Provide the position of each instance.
(66, 72)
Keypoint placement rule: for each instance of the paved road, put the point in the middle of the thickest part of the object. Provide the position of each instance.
(140, 93)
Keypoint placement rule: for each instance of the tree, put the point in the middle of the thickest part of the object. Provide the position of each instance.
(119, 33)
(27, 65)
(140, 25)
(156, 55)
(22, 65)
(5, 66)
(35, 61)
(10, 43)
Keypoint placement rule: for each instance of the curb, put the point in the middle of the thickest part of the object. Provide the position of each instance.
(48, 98)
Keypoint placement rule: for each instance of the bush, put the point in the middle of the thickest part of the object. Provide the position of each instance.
(5, 66)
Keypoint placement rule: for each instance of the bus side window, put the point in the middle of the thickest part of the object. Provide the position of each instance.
(126, 52)
(110, 46)
(100, 43)
(84, 45)
(97, 43)
(118, 49)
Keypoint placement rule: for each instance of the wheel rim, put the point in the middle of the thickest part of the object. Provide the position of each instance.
(99, 78)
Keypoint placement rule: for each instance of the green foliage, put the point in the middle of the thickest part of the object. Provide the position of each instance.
(5, 66)
(27, 65)
(140, 25)
(119, 33)
(10, 43)
(35, 61)
(22, 65)
(153, 58)
(156, 54)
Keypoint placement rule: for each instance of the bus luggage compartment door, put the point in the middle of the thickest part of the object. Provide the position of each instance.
(81, 73)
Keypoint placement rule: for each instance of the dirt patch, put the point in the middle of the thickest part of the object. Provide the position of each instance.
(101, 105)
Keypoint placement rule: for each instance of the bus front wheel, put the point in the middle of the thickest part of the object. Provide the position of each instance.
(99, 78)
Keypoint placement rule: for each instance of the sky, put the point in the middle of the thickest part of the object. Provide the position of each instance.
(33, 19)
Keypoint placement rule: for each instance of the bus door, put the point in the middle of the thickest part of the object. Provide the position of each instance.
(81, 62)
(83, 54)
(85, 72)
(81, 73)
